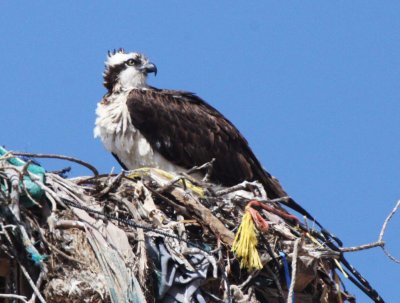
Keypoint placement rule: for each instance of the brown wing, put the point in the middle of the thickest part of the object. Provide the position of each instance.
(187, 131)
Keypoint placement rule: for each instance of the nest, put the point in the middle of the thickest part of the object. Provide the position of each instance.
(151, 236)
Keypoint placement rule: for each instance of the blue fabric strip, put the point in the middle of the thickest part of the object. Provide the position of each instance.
(286, 269)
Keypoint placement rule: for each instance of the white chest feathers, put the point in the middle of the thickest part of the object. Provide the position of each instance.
(119, 136)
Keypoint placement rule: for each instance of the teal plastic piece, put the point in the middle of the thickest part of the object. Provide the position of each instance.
(34, 190)
(35, 256)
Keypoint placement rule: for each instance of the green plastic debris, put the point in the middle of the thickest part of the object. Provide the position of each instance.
(34, 190)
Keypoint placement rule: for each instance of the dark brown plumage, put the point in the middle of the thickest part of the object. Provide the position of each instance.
(187, 131)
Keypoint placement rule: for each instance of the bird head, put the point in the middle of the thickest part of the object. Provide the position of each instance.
(125, 71)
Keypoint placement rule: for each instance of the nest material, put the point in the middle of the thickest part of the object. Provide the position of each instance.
(150, 236)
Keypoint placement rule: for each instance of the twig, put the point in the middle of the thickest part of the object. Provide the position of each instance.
(24, 271)
(389, 255)
(180, 209)
(112, 184)
(39, 282)
(276, 280)
(170, 184)
(209, 170)
(12, 296)
(13, 227)
(380, 242)
(387, 220)
(6, 156)
(294, 270)
(207, 165)
(31, 283)
(209, 257)
(141, 246)
(49, 192)
(61, 172)
(89, 180)
(277, 200)
(383, 232)
(362, 247)
(251, 276)
(62, 157)
(237, 187)
(214, 297)
(60, 252)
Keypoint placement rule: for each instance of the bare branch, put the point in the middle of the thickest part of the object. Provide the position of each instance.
(62, 157)
(387, 220)
(380, 242)
(383, 232)
(362, 247)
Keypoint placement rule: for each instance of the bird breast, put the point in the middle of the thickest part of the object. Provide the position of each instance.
(115, 129)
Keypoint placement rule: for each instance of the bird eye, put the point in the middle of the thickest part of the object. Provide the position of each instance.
(132, 62)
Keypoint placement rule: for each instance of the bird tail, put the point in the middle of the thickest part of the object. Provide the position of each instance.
(275, 190)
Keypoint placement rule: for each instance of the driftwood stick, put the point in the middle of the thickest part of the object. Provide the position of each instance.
(206, 216)
(62, 157)
(180, 209)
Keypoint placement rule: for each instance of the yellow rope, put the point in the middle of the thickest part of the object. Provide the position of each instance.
(245, 244)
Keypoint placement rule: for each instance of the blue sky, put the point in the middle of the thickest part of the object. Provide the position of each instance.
(313, 86)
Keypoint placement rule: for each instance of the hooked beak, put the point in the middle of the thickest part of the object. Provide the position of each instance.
(149, 68)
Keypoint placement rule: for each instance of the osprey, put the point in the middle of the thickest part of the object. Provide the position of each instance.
(172, 130)
(176, 130)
